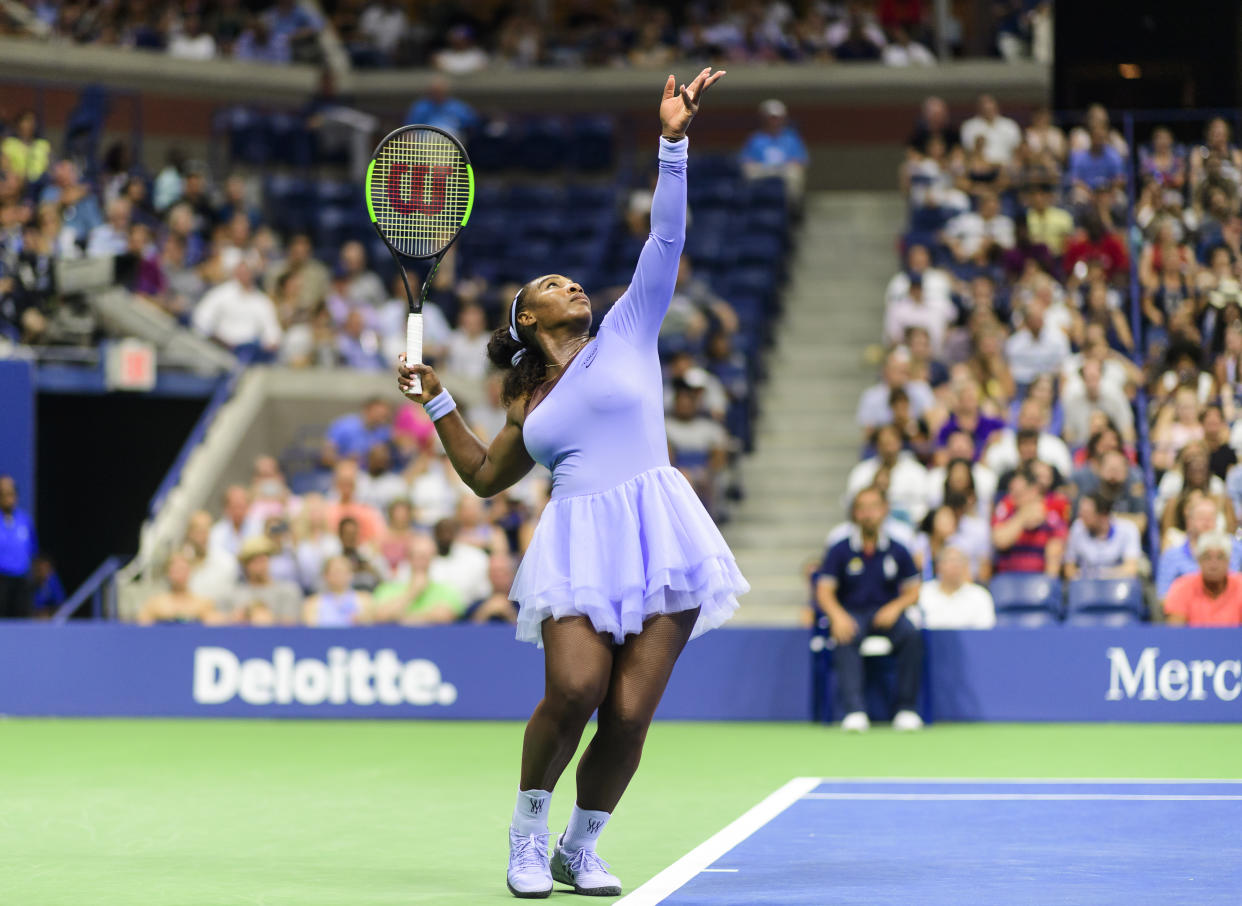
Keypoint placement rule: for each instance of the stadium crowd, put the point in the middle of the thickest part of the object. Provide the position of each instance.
(460, 38)
(1003, 436)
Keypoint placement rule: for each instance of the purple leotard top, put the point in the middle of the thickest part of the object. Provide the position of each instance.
(603, 422)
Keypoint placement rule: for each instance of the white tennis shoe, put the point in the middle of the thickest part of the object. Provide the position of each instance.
(856, 722)
(907, 721)
(529, 876)
(585, 871)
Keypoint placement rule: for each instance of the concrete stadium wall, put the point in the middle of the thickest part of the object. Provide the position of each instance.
(854, 117)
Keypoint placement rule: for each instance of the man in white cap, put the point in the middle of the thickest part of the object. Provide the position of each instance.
(776, 150)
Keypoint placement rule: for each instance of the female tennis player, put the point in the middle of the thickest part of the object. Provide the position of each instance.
(625, 565)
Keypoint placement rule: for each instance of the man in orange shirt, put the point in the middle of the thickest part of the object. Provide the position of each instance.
(1212, 596)
(345, 484)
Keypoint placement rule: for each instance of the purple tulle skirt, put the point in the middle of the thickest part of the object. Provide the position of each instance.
(619, 556)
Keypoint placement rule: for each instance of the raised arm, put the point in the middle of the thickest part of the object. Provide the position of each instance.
(641, 309)
(487, 469)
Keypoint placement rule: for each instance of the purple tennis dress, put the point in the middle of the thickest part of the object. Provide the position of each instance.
(623, 536)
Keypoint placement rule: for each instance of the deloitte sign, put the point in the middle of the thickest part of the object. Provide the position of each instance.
(347, 677)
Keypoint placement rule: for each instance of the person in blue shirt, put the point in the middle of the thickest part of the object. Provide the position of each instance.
(438, 109)
(1098, 168)
(48, 590)
(866, 583)
(18, 545)
(776, 150)
(351, 436)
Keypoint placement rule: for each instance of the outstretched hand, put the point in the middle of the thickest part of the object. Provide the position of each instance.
(680, 104)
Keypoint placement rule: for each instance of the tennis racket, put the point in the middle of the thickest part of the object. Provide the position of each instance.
(420, 189)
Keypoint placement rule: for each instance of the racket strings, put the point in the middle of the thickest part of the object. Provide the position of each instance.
(420, 191)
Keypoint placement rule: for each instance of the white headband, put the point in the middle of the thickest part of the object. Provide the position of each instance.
(517, 356)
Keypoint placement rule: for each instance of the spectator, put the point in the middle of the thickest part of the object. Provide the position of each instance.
(258, 598)
(776, 150)
(314, 278)
(379, 486)
(239, 315)
(952, 600)
(1001, 135)
(191, 42)
(467, 346)
(1090, 395)
(698, 444)
(111, 238)
(937, 287)
(358, 346)
(1028, 456)
(462, 567)
(902, 51)
(23, 153)
(1097, 243)
(440, 109)
(49, 591)
(1192, 473)
(418, 600)
(866, 583)
(980, 237)
(339, 603)
(79, 210)
(18, 546)
(1044, 141)
(366, 567)
(1028, 536)
(1032, 416)
(873, 405)
(1176, 426)
(369, 522)
(916, 310)
(1101, 546)
(352, 436)
(933, 123)
(363, 286)
(908, 487)
(178, 604)
(233, 526)
(213, 572)
(1113, 476)
(1179, 560)
(1099, 167)
(925, 365)
(384, 24)
(1047, 224)
(1213, 595)
(462, 55)
(966, 416)
(1221, 456)
(1037, 347)
(694, 308)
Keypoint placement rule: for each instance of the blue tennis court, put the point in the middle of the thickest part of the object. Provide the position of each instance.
(819, 842)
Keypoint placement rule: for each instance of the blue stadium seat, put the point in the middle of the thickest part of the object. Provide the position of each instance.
(591, 144)
(292, 143)
(542, 145)
(1104, 602)
(250, 139)
(762, 249)
(1026, 599)
(766, 193)
(583, 196)
(491, 148)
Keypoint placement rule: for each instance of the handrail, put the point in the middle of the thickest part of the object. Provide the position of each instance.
(224, 390)
(94, 588)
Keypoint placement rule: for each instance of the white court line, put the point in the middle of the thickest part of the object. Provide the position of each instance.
(984, 781)
(1021, 797)
(715, 846)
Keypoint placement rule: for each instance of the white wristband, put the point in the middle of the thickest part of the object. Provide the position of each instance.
(439, 405)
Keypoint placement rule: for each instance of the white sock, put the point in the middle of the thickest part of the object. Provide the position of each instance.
(530, 815)
(584, 829)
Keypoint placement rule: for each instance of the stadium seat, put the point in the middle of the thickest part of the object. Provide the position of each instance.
(542, 145)
(1104, 602)
(766, 193)
(1026, 599)
(491, 148)
(591, 143)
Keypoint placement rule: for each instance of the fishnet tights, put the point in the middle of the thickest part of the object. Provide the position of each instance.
(584, 671)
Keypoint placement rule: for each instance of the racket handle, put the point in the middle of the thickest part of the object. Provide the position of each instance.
(414, 346)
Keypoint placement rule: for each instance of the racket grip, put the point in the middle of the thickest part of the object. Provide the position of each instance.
(414, 346)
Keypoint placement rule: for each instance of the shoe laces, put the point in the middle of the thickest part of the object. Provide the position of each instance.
(586, 860)
(531, 851)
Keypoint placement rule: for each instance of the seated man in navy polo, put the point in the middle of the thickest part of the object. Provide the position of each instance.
(866, 583)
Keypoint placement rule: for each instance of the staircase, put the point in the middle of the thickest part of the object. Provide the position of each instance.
(807, 438)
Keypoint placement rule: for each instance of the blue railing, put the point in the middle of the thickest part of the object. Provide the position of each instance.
(99, 588)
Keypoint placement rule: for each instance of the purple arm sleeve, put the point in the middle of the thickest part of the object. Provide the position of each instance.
(639, 312)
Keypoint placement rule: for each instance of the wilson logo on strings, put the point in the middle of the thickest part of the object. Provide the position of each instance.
(420, 200)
